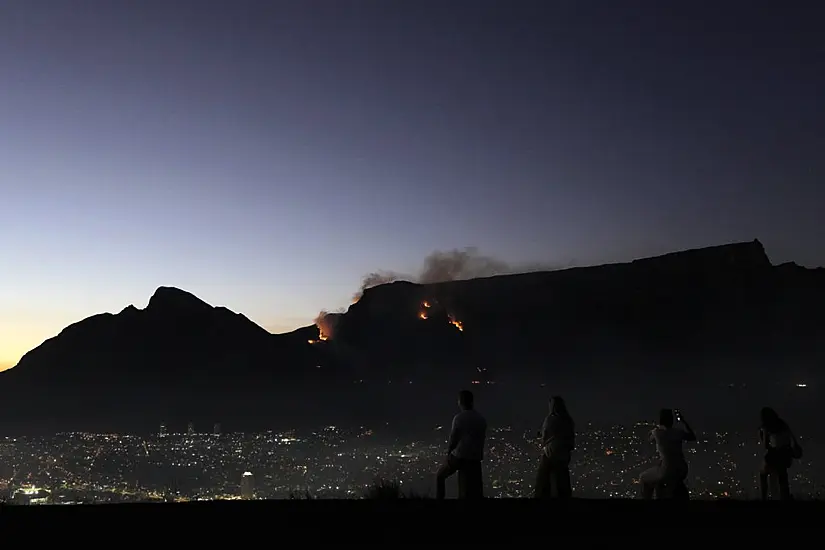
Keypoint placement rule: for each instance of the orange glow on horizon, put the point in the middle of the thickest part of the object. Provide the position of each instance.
(22, 332)
(25, 330)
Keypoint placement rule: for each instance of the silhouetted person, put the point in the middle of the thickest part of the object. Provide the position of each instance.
(465, 450)
(781, 447)
(672, 468)
(558, 439)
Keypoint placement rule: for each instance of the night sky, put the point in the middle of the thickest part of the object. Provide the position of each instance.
(265, 155)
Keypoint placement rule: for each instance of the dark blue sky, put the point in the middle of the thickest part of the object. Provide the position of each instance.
(266, 154)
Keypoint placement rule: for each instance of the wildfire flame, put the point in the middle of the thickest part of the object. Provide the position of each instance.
(423, 314)
(456, 323)
(321, 338)
(326, 323)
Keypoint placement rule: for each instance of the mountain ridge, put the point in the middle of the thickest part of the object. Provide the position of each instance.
(719, 312)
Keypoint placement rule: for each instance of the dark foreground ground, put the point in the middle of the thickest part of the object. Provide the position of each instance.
(400, 521)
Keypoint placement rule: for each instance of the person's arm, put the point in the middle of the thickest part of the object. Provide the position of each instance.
(545, 431)
(689, 434)
(794, 440)
(454, 436)
(763, 438)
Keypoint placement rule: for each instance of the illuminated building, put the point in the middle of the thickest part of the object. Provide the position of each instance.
(31, 495)
(247, 486)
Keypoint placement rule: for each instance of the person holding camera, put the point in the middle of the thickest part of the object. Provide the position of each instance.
(672, 468)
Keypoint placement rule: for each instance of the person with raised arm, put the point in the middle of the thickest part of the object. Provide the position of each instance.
(672, 468)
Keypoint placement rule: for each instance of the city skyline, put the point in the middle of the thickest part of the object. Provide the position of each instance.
(335, 462)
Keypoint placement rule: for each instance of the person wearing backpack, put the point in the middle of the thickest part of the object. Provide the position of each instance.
(781, 448)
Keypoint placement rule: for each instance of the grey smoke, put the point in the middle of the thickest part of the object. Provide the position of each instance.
(378, 278)
(455, 265)
(440, 266)
(327, 321)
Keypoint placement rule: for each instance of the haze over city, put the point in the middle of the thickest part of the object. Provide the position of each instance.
(266, 155)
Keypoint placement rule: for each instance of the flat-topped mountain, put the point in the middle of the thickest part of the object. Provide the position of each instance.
(710, 317)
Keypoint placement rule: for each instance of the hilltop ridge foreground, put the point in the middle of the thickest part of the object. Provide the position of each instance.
(365, 521)
(704, 328)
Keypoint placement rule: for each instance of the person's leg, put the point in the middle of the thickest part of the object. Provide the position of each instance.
(446, 470)
(764, 472)
(478, 476)
(465, 481)
(542, 488)
(773, 483)
(564, 487)
(473, 483)
(649, 479)
(784, 484)
(676, 480)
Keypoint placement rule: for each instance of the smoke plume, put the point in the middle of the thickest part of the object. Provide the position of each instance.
(326, 322)
(455, 265)
(440, 266)
(376, 278)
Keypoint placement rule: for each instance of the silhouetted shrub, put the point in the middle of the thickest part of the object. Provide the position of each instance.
(301, 495)
(384, 489)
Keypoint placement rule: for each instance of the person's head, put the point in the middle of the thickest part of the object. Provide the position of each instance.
(465, 400)
(770, 420)
(666, 418)
(558, 406)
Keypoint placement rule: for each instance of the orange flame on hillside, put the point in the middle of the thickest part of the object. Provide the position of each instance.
(424, 314)
(456, 323)
(326, 322)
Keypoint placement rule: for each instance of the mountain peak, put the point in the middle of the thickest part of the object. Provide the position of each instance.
(171, 298)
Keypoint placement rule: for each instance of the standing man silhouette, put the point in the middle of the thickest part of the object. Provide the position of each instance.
(465, 451)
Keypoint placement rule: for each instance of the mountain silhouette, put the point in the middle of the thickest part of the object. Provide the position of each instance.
(616, 337)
